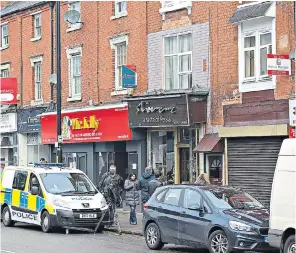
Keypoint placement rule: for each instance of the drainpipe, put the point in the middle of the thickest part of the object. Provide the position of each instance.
(51, 4)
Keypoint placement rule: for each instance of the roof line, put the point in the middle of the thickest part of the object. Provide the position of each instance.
(19, 10)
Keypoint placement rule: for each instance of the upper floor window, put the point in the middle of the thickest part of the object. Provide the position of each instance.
(5, 72)
(120, 7)
(256, 47)
(75, 5)
(178, 61)
(38, 80)
(4, 36)
(120, 60)
(37, 25)
(169, 5)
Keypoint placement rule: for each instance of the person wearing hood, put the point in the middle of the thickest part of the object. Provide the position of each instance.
(144, 184)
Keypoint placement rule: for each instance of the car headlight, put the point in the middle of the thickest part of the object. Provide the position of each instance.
(60, 203)
(103, 203)
(238, 226)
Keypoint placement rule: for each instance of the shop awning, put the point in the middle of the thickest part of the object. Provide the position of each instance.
(250, 12)
(209, 143)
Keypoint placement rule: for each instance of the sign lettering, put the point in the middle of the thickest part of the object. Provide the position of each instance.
(27, 216)
(86, 123)
(145, 108)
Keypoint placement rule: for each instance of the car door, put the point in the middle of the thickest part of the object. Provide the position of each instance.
(192, 222)
(168, 214)
(19, 198)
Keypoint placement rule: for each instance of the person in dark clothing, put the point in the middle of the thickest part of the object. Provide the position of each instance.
(112, 182)
(144, 184)
(132, 197)
(155, 183)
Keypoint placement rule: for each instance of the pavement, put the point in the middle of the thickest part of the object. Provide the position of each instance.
(30, 239)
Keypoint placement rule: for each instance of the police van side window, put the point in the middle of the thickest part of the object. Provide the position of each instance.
(19, 180)
(34, 182)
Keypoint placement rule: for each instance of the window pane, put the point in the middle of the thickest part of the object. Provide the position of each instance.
(171, 72)
(250, 42)
(263, 61)
(170, 44)
(265, 39)
(185, 81)
(172, 197)
(249, 63)
(185, 63)
(185, 43)
(191, 199)
(33, 154)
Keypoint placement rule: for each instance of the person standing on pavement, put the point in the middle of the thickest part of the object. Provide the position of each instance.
(132, 197)
(144, 184)
(155, 183)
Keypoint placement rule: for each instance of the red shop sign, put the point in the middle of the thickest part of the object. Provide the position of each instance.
(292, 132)
(88, 126)
(8, 91)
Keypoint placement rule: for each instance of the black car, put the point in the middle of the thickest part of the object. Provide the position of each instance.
(221, 218)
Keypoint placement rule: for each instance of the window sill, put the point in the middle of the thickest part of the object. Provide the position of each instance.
(184, 5)
(73, 99)
(3, 48)
(261, 84)
(119, 92)
(35, 39)
(120, 15)
(37, 102)
(74, 28)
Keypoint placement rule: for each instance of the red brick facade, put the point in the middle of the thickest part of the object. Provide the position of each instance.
(142, 18)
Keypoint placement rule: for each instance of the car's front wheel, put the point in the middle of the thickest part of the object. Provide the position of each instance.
(153, 237)
(290, 246)
(46, 222)
(218, 242)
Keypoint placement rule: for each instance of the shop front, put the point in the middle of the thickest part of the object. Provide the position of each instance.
(9, 141)
(29, 136)
(253, 133)
(94, 138)
(173, 124)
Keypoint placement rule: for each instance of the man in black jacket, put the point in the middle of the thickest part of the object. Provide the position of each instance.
(144, 184)
(155, 183)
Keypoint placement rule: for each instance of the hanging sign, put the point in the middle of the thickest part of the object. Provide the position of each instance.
(129, 77)
(278, 65)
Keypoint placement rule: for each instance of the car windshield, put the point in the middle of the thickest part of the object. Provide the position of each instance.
(67, 183)
(232, 198)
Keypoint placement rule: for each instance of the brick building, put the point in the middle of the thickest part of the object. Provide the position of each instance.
(200, 103)
(111, 34)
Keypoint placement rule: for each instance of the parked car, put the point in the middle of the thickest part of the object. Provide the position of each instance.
(220, 218)
(282, 228)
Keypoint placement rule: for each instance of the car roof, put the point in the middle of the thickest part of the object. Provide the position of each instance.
(203, 187)
(40, 169)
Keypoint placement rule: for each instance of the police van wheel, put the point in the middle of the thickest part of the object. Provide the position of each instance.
(45, 222)
(6, 217)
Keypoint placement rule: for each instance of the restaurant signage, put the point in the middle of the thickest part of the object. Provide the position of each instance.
(159, 111)
(8, 91)
(98, 125)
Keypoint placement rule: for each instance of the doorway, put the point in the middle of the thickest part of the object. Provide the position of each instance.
(215, 168)
(184, 164)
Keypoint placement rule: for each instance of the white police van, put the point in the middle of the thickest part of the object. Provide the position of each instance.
(50, 195)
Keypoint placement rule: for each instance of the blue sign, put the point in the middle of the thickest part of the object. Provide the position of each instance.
(129, 78)
(28, 120)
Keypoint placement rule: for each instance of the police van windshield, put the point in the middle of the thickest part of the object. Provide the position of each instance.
(67, 183)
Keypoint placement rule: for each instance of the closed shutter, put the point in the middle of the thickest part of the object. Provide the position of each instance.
(251, 164)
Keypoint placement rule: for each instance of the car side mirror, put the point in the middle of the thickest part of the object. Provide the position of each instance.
(35, 190)
(196, 208)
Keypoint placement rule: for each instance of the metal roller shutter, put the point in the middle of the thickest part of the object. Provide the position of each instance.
(251, 164)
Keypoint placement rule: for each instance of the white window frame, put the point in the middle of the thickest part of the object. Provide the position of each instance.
(4, 43)
(34, 60)
(177, 54)
(38, 80)
(258, 82)
(117, 13)
(174, 5)
(71, 53)
(78, 25)
(5, 68)
(36, 27)
(114, 43)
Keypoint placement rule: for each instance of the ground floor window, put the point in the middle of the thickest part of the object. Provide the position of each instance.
(214, 167)
(35, 149)
(9, 149)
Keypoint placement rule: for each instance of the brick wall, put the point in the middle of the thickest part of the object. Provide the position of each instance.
(97, 62)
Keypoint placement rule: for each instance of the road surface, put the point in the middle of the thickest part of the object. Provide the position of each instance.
(29, 239)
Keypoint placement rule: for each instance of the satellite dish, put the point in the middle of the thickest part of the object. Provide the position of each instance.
(72, 17)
